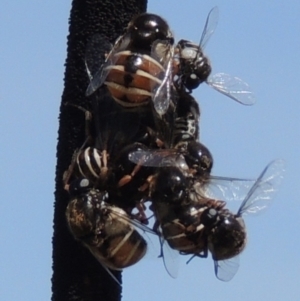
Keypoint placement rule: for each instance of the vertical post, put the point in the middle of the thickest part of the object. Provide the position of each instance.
(76, 273)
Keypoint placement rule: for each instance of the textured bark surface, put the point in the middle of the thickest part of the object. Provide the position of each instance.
(76, 273)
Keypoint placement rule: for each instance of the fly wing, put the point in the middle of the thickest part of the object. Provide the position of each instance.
(102, 261)
(170, 258)
(97, 50)
(224, 188)
(226, 269)
(233, 87)
(156, 158)
(100, 46)
(210, 26)
(162, 52)
(264, 189)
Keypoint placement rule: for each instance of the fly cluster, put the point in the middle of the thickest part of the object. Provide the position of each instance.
(142, 148)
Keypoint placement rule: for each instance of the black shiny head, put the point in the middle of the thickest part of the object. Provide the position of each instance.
(200, 70)
(194, 65)
(199, 158)
(228, 238)
(170, 186)
(146, 28)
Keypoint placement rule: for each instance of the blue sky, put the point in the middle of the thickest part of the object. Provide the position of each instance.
(256, 41)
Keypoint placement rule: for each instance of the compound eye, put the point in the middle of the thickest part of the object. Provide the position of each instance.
(227, 239)
(147, 28)
(203, 70)
(206, 164)
(170, 185)
(199, 157)
(192, 82)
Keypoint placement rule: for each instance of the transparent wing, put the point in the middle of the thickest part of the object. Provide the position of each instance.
(96, 52)
(99, 77)
(232, 87)
(101, 260)
(153, 250)
(96, 59)
(264, 189)
(224, 188)
(170, 258)
(146, 158)
(162, 52)
(161, 97)
(226, 269)
(157, 158)
(144, 228)
(210, 26)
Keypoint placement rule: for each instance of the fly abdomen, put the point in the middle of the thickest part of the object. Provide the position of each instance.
(185, 129)
(133, 61)
(180, 239)
(132, 78)
(91, 163)
(122, 246)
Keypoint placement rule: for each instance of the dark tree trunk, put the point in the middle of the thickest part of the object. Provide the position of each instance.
(76, 273)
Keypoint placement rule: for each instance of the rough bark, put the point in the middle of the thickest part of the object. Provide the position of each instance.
(76, 273)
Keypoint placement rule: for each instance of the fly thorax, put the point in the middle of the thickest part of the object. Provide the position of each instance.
(189, 53)
(228, 238)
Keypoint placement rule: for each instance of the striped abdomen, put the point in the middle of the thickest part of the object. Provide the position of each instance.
(186, 234)
(119, 244)
(92, 163)
(105, 230)
(132, 78)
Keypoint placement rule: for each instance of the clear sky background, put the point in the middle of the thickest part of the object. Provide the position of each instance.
(258, 41)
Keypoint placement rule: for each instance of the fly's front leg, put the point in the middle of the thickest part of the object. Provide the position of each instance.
(157, 141)
(88, 122)
(148, 184)
(127, 178)
(202, 254)
(142, 217)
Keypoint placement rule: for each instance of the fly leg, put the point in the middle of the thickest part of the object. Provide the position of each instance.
(69, 172)
(148, 184)
(141, 214)
(88, 119)
(127, 178)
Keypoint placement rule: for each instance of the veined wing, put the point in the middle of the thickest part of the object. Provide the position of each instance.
(233, 87)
